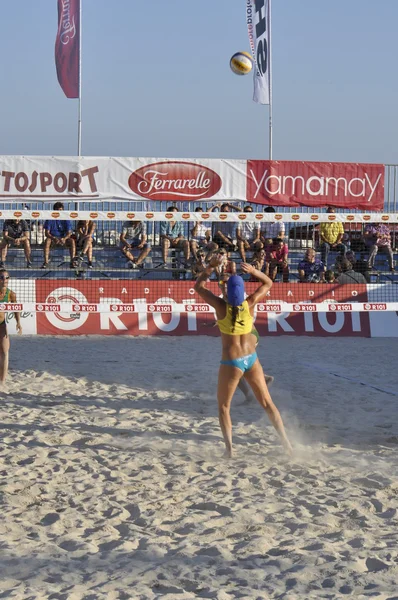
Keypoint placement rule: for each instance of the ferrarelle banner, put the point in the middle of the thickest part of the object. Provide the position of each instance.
(275, 183)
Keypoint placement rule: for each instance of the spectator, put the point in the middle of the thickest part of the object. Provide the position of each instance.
(201, 237)
(359, 265)
(329, 276)
(311, 269)
(347, 274)
(331, 235)
(248, 236)
(15, 233)
(277, 256)
(84, 241)
(270, 231)
(58, 234)
(172, 236)
(224, 233)
(377, 237)
(258, 260)
(199, 263)
(133, 236)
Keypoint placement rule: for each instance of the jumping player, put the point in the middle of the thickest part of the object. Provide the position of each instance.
(235, 321)
(6, 296)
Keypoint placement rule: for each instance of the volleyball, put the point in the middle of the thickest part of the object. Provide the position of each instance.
(241, 63)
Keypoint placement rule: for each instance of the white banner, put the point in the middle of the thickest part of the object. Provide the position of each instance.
(46, 178)
(258, 24)
(210, 217)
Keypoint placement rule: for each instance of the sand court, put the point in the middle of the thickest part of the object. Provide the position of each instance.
(113, 483)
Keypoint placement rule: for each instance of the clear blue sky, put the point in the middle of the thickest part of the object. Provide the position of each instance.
(156, 81)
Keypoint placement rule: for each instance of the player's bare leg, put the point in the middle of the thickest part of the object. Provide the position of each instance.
(256, 379)
(228, 379)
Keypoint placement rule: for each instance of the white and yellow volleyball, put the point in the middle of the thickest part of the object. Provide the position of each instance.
(241, 63)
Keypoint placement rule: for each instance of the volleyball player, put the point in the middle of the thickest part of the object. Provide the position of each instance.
(242, 385)
(6, 296)
(235, 321)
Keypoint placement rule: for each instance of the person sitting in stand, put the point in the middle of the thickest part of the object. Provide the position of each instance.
(172, 236)
(258, 260)
(329, 276)
(377, 236)
(16, 234)
(198, 265)
(331, 236)
(224, 232)
(270, 231)
(311, 269)
(358, 264)
(276, 260)
(84, 241)
(248, 236)
(58, 234)
(133, 236)
(347, 273)
(201, 237)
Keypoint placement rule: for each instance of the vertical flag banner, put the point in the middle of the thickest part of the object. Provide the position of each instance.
(258, 25)
(67, 47)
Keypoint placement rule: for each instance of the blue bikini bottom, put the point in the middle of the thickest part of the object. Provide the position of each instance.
(244, 363)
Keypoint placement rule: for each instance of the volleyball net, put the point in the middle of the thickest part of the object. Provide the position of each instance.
(73, 262)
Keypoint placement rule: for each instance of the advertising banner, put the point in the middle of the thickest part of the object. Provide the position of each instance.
(258, 26)
(25, 291)
(157, 318)
(67, 47)
(277, 183)
(296, 183)
(44, 178)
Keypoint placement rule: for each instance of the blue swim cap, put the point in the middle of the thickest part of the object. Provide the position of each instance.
(235, 290)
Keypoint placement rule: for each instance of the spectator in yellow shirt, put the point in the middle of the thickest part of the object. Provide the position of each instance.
(331, 235)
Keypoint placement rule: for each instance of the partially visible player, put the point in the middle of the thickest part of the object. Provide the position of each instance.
(235, 321)
(6, 296)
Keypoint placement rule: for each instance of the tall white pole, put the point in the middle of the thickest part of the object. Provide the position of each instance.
(270, 77)
(79, 125)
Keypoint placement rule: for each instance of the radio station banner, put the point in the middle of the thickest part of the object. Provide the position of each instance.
(203, 181)
(135, 308)
(132, 308)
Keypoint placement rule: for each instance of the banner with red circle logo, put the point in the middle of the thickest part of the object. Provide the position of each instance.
(277, 183)
(137, 308)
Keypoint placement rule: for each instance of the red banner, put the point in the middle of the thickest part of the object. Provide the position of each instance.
(67, 47)
(159, 320)
(291, 183)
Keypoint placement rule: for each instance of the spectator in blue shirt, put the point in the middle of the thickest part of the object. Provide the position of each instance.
(58, 234)
(311, 269)
(172, 236)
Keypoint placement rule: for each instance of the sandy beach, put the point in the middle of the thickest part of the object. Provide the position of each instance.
(113, 483)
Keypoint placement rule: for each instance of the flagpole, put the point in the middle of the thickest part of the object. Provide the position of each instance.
(79, 124)
(270, 79)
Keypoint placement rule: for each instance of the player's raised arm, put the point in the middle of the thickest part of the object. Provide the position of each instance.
(261, 291)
